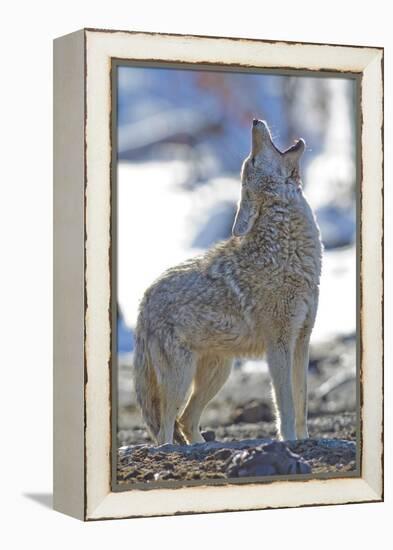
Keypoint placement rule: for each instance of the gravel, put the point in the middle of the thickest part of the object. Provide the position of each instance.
(234, 459)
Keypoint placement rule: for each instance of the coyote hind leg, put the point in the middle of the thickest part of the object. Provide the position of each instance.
(211, 374)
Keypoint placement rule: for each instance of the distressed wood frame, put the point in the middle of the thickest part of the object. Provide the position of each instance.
(82, 272)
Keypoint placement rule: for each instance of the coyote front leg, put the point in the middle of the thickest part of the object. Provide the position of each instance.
(279, 357)
(300, 368)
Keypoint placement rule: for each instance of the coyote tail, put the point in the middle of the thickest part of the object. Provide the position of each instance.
(146, 385)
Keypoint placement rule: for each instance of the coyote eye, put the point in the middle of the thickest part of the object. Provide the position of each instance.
(252, 161)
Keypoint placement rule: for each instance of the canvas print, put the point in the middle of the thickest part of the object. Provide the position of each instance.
(235, 276)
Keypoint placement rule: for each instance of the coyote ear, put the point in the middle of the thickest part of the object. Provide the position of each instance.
(293, 154)
(246, 215)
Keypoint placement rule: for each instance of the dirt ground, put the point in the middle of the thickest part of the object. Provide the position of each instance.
(239, 423)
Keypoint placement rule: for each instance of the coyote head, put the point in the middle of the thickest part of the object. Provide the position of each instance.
(263, 171)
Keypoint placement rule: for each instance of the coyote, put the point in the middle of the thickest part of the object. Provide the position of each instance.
(254, 294)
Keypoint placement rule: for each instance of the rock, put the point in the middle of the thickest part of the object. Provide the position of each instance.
(208, 435)
(163, 475)
(131, 474)
(266, 460)
(253, 412)
(222, 454)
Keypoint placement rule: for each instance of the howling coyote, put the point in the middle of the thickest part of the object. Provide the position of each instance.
(254, 294)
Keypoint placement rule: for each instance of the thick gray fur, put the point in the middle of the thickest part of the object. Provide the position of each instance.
(252, 295)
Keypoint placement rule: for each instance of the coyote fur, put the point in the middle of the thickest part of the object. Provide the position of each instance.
(252, 295)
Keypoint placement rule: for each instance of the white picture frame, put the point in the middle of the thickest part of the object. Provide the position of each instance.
(82, 270)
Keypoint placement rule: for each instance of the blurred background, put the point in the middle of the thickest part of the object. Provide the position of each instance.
(182, 137)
